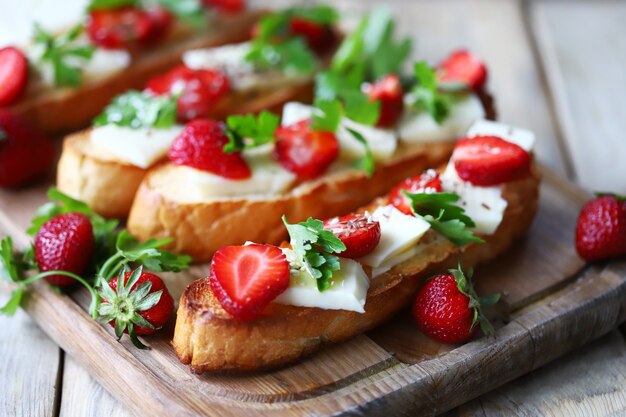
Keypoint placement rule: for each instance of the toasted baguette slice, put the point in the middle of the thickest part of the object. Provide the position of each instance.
(201, 228)
(109, 186)
(209, 339)
(63, 110)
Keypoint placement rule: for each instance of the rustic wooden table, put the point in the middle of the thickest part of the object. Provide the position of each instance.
(557, 67)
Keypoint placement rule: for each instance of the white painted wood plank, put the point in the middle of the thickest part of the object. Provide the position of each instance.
(29, 361)
(583, 46)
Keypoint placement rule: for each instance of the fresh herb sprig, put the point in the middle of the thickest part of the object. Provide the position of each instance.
(64, 53)
(190, 11)
(249, 131)
(137, 109)
(315, 249)
(444, 216)
(426, 93)
(110, 4)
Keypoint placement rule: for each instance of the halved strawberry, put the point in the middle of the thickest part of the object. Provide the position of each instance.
(490, 160)
(124, 26)
(245, 279)
(427, 182)
(201, 146)
(64, 243)
(201, 89)
(320, 38)
(462, 67)
(13, 74)
(359, 233)
(304, 151)
(387, 90)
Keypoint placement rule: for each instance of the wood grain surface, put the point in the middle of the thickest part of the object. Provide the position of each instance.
(557, 68)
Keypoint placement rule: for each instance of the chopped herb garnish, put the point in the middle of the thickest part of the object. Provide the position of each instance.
(249, 131)
(314, 248)
(292, 56)
(136, 109)
(64, 53)
(427, 95)
(444, 216)
(191, 11)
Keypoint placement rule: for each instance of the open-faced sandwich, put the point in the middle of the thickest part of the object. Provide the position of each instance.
(104, 165)
(265, 306)
(61, 63)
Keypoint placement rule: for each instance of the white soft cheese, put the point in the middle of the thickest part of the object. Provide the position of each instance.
(348, 289)
(268, 178)
(484, 205)
(521, 137)
(105, 62)
(382, 142)
(139, 147)
(398, 232)
(419, 126)
(18, 18)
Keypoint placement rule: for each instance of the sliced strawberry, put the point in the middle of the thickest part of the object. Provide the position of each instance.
(64, 243)
(490, 160)
(201, 146)
(25, 153)
(13, 74)
(387, 90)
(201, 90)
(360, 234)
(304, 151)
(226, 6)
(463, 67)
(125, 26)
(427, 182)
(320, 38)
(245, 279)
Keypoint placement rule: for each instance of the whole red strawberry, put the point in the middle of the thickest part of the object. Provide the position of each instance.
(25, 153)
(64, 243)
(448, 309)
(140, 306)
(201, 146)
(601, 228)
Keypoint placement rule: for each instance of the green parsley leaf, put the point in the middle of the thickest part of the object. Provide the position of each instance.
(426, 94)
(359, 108)
(191, 11)
(365, 163)
(110, 4)
(327, 116)
(292, 56)
(136, 109)
(62, 52)
(248, 131)
(276, 25)
(314, 248)
(444, 216)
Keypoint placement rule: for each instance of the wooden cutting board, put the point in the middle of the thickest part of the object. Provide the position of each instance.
(552, 303)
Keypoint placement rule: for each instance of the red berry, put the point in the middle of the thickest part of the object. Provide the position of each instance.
(601, 229)
(320, 38)
(201, 146)
(245, 279)
(25, 153)
(463, 67)
(125, 26)
(64, 243)
(443, 312)
(13, 74)
(490, 160)
(201, 90)
(159, 313)
(359, 233)
(427, 182)
(388, 91)
(226, 6)
(304, 151)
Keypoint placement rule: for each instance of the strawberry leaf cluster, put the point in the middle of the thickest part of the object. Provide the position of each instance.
(444, 216)
(315, 249)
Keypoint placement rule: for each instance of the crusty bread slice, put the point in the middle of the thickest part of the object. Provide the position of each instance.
(200, 228)
(209, 339)
(63, 110)
(109, 186)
